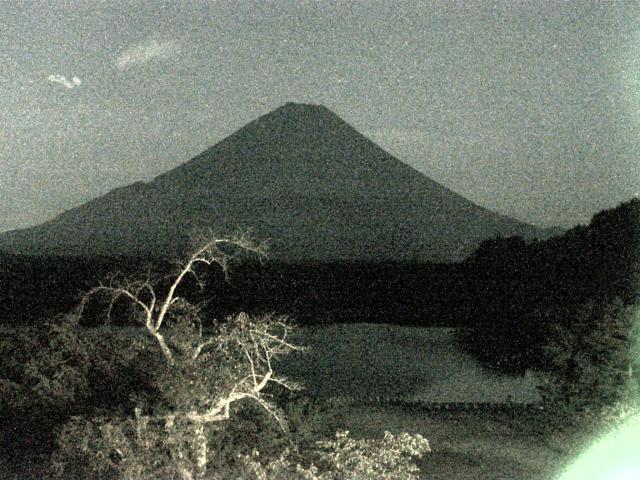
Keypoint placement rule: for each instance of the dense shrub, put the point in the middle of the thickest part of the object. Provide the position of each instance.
(519, 292)
(63, 366)
(592, 359)
(16, 349)
(163, 442)
(343, 458)
(61, 369)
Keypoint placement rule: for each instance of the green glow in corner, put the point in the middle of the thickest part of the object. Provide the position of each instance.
(614, 457)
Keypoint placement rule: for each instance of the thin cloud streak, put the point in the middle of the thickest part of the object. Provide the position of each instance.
(145, 51)
(62, 80)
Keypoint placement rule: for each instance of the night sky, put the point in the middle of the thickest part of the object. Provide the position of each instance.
(531, 109)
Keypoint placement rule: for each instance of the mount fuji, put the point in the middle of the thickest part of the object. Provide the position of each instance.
(299, 177)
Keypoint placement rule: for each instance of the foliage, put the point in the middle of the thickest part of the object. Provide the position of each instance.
(344, 458)
(63, 366)
(84, 442)
(174, 420)
(53, 372)
(16, 348)
(592, 360)
(517, 292)
(308, 419)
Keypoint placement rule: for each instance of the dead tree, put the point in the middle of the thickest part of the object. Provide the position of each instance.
(210, 371)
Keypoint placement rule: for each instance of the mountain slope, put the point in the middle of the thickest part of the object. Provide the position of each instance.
(299, 176)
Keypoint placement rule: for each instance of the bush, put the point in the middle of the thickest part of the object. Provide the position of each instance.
(344, 458)
(17, 346)
(591, 360)
(188, 393)
(161, 440)
(58, 370)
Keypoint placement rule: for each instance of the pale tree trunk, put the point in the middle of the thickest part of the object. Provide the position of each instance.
(183, 470)
(201, 450)
(185, 474)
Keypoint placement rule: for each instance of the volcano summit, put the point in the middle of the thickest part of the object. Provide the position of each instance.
(299, 177)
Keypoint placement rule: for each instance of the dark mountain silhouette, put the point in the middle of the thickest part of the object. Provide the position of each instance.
(300, 177)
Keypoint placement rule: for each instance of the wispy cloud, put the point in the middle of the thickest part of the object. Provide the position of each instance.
(62, 80)
(145, 51)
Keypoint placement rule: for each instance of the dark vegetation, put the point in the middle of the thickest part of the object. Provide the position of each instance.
(522, 292)
(508, 287)
(409, 294)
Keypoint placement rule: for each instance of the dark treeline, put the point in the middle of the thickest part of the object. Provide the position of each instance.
(34, 289)
(519, 291)
(38, 288)
(407, 294)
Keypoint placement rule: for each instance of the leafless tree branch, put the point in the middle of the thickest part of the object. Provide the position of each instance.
(250, 344)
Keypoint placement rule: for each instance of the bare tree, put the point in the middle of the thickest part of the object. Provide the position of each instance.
(203, 374)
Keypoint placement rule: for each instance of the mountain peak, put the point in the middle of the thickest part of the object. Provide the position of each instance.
(291, 110)
(296, 107)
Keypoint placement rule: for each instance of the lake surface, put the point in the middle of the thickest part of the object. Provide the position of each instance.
(368, 361)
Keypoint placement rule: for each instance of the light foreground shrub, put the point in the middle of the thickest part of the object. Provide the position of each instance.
(344, 458)
(62, 367)
(135, 450)
(44, 368)
(51, 371)
(194, 388)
